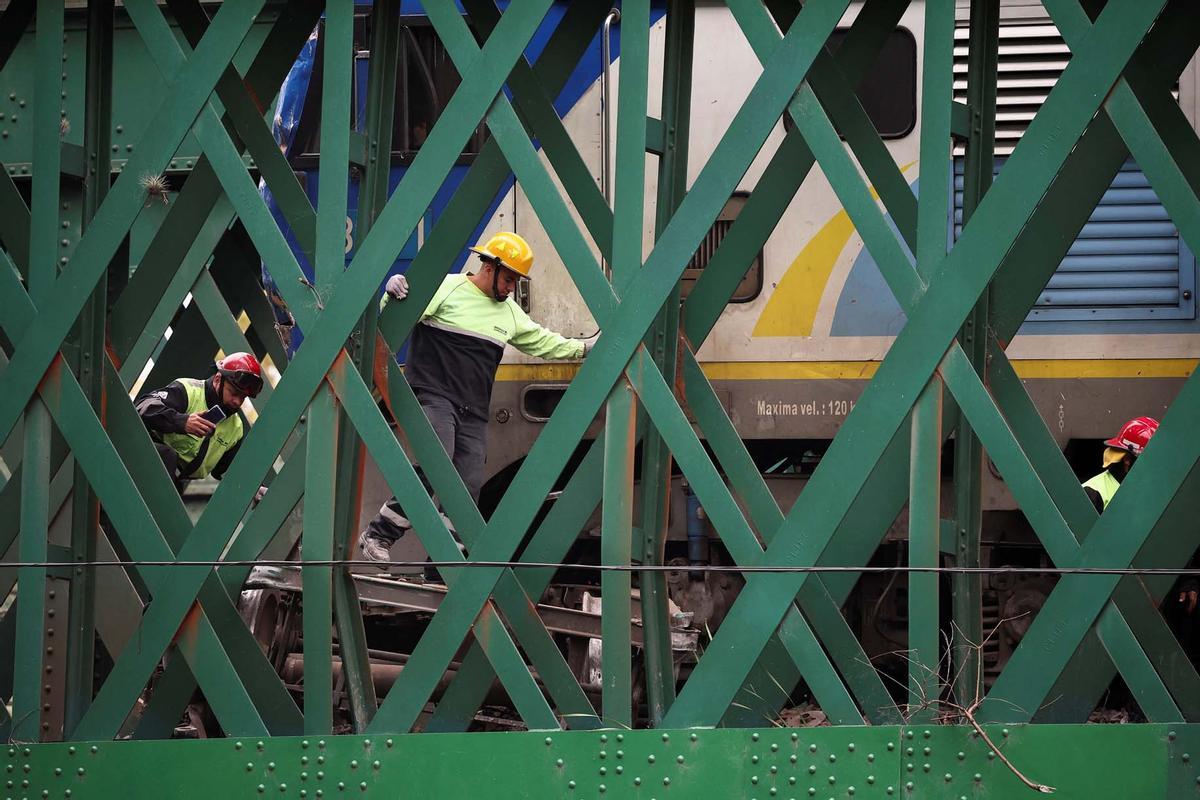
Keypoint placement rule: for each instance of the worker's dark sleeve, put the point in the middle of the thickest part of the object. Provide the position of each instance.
(218, 471)
(1096, 499)
(164, 410)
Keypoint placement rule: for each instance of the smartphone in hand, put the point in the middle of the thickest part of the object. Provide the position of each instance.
(214, 414)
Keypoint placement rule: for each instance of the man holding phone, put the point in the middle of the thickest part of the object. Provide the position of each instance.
(196, 424)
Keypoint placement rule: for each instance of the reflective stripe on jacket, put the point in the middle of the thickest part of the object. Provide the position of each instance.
(458, 344)
(226, 436)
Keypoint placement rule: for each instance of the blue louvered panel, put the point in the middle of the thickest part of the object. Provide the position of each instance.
(1128, 262)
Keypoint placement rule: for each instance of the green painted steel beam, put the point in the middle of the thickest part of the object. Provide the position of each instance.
(1095, 761)
(616, 545)
(925, 669)
(663, 344)
(317, 545)
(38, 346)
(127, 508)
(85, 509)
(245, 117)
(440, 545)
(373, 188)
(234, 494)
(967, 633)
(643, 300)
(956, 286)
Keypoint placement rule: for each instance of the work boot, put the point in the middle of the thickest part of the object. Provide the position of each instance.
(374, 548)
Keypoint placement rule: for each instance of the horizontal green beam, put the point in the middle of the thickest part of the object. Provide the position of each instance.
(1093, 761)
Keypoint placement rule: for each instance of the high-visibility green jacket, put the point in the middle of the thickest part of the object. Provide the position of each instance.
(1105, 485)
(228, 433)
(456, 348)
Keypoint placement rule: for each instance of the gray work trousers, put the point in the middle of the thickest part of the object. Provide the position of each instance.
(464, 437)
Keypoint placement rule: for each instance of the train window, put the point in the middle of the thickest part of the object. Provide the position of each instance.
(425, 81)
(752, 280)
(889, 91)
(1128, 262)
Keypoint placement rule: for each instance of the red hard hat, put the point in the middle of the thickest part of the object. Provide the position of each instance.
(1134, 435)
(243, 371)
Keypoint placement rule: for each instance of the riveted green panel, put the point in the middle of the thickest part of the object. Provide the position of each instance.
(1098, 762)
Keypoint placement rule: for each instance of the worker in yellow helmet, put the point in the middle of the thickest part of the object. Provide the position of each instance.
(452, 359)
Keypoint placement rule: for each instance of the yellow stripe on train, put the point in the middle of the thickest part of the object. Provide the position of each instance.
(1045, 368)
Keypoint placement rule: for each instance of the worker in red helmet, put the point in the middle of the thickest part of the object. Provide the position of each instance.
(1119, 454)
(196, 424)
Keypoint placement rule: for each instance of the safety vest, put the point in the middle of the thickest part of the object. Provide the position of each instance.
(1105, 485)
(227, 434)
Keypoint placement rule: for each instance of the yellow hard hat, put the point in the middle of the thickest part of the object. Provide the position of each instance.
(510, 250)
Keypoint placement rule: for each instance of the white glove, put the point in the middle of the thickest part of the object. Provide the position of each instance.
(397, 287)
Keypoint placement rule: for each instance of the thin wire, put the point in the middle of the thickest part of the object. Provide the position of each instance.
(385, 565)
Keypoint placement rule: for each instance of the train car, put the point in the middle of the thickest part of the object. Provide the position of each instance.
(1112, 336)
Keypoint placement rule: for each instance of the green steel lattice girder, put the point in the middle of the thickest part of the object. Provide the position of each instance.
(1102, 762)
(937, 294)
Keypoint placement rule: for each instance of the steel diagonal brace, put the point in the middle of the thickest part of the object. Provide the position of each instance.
(834, 89)
(117, 492)
(1159, 136)
(194, 212)
(531, 173)
(242, 107)
(226, 162)
(956, 286)
(41, 341)
(1124, 533)
(486, 175)
(1139, 601)
(512, 594)
(65, 399)
(907, 285)
(1053, 529)
(727, 519)
(535, 106)
(418, 506)
(354, 290)
(646, 294)
(427, 524)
